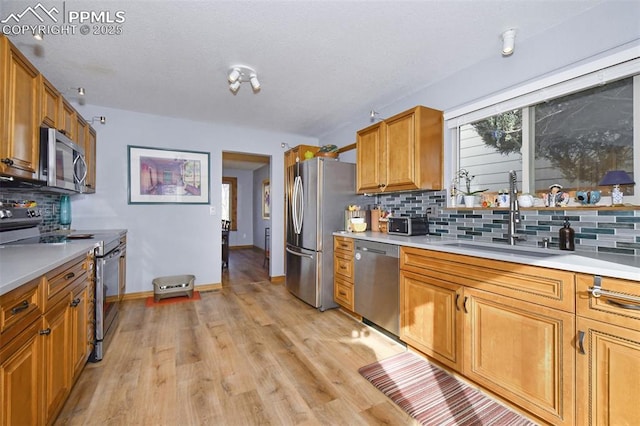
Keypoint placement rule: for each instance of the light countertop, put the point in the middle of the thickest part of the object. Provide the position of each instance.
(609, 265)
(21, 263)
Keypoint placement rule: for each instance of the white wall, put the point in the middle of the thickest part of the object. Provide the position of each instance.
(606, 26)
(260, 224)
(243, 235)
(173, 239)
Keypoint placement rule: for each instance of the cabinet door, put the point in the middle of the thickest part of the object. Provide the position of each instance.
(430, 319)
(400, 146)
(57, 345)
(608, 374)
(370, 158)
(523, 352)
(50, 103)
(21, 378)
(90, 158)
(20, 97)
(79, 342)
(69, 122)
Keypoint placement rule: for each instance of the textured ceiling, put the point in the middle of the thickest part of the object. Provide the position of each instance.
(319, 62)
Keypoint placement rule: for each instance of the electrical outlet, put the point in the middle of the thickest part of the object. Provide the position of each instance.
(212, 211)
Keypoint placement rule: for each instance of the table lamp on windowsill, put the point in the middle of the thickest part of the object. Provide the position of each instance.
(616, 178)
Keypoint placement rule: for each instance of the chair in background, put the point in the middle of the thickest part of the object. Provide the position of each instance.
(225, 243)
(267, 236)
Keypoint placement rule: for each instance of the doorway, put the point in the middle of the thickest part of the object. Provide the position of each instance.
(243, 201)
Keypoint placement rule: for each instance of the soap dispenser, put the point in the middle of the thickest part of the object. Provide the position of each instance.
(567, 236)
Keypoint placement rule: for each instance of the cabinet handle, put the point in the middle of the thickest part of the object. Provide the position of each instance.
(581, 342)
(624, 305)
(456, 302)
(45, 332)
(464, 305)
(75, 302)
(7, 161)
(382, 185)
(21, 307)
(69, 275)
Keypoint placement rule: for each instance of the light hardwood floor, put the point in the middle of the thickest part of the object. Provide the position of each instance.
(248, 354)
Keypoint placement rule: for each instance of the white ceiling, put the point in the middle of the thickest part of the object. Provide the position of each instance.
(319, 62)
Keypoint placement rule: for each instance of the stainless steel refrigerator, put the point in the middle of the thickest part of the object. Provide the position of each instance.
(319, 190)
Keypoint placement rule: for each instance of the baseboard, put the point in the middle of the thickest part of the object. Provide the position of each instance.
(240, 247)
(277, 279)
(145, 294)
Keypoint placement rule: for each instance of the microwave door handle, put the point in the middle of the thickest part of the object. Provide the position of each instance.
(84, 169)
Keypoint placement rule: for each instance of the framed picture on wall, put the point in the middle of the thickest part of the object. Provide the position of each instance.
(266, 199)
(165, 176)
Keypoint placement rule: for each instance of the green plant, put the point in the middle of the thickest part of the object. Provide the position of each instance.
(464, 178)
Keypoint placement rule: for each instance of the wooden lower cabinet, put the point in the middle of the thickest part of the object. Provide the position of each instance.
(430, 318)
(608, 374)
(343, 274)
(43, 351)
(608, 346)
(57, 351)
(522, 352)
(21, 379)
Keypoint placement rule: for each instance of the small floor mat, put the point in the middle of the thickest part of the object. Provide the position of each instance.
(434, 397)
(171, 300)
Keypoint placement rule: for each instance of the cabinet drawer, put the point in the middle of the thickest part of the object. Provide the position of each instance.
(19, 308)
(619, 303)
(343, 245)
(548, 287)
(58, 282)
(343, 265)
(343, 292)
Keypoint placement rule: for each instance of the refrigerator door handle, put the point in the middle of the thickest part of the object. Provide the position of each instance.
(298, 205)
(295, 253)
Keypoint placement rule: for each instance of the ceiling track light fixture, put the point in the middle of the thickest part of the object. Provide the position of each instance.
(285, 145)
(79, 90)
(38, 35)
(508, 42)
(241, 73)
(101, 118)
(374, 115)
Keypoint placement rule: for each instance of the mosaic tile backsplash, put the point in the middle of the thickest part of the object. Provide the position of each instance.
(47, 203)
(596, 230)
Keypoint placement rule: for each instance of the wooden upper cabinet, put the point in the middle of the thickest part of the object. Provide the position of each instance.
(370, 155)
(20, 118)
(50, 104)
(402, 153)
(69, 123)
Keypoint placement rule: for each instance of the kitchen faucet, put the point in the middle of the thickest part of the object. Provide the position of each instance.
(514, 210)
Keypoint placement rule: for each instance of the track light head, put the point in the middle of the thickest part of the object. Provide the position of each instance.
(101, 118)
(80, 91)
(255, 84)
(234, 75)
(508, 42)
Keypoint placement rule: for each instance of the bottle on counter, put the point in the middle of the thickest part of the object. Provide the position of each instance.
(65, 212)
(567, 236)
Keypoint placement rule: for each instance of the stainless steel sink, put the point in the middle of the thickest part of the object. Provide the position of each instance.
(512, 250)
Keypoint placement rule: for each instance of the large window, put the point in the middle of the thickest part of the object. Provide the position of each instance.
(571, 140)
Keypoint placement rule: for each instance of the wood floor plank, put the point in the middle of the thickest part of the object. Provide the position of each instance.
(249, 353)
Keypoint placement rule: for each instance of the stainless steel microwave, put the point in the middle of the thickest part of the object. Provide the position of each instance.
(417, 225)
(62, 162)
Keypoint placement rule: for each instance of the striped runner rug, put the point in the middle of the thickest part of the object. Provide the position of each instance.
(433, 397)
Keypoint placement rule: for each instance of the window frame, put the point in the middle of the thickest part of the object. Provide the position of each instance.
(618, 65)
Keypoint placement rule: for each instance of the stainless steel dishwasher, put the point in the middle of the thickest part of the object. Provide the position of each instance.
(376, 286)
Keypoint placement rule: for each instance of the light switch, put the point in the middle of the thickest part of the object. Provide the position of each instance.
(212, 211)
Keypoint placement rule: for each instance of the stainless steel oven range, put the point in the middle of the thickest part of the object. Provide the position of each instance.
(19, 226)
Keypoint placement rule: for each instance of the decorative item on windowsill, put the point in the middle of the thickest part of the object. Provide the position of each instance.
(556, 197)
(464, 187)
(588, 198)
(616, 178)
